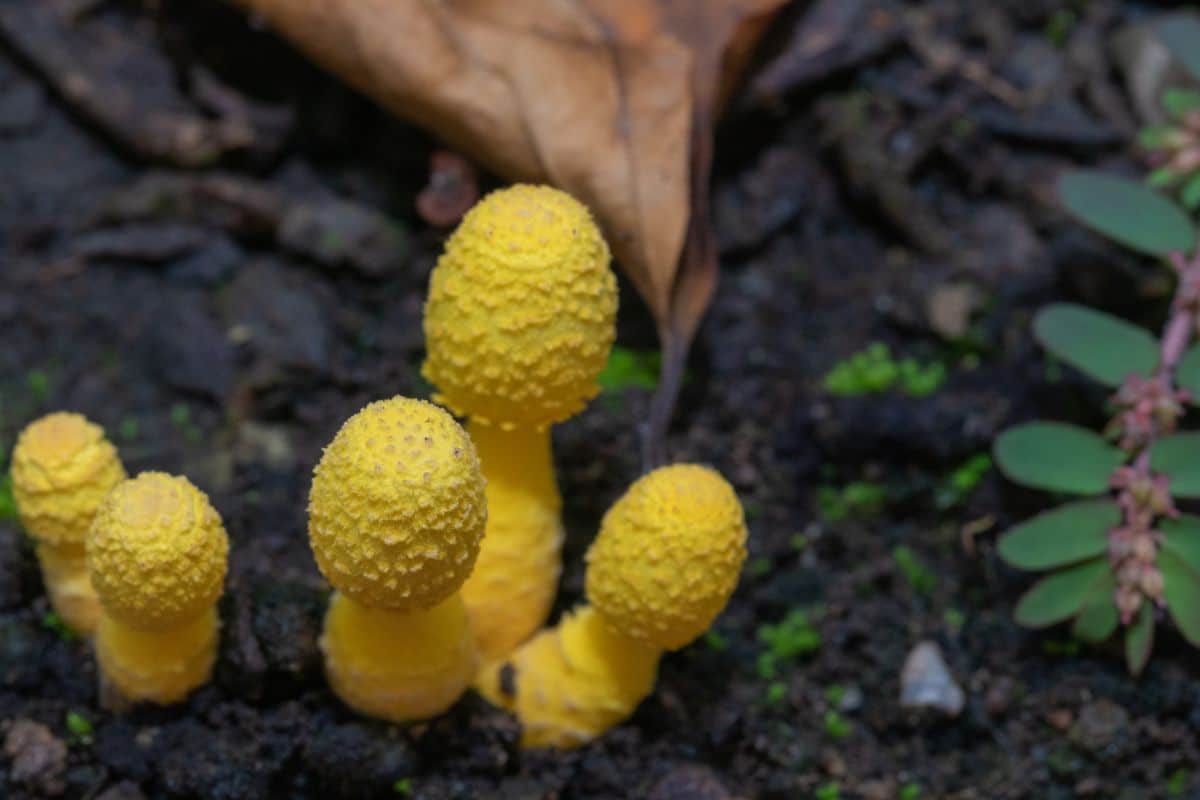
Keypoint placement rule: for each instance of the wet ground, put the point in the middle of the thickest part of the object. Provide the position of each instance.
(214, 250)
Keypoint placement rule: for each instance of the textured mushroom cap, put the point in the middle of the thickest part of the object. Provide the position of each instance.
(397, 506)
(668, 555)
(62, 468)
(398, 665)
(157, 552)
(522, 309)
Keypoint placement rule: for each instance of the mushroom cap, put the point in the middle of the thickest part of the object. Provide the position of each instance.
(397, 506)
(157, 552)
(522, 309)
(668, 555)
(62, 468)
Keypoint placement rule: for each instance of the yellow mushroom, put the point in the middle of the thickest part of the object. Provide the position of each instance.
(662, 568)
(396, 513)
(62, 468)
(157, 555)
(518, 325)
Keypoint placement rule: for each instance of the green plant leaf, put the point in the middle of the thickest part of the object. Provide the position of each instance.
(1098, 615)
(1160, 135)
(1181, 35)
(1127, 212)
(1182, 537)
(1070, 533)
(1139, 640)
(1189, 195)
(1105, 347)
(1181, 588)
(1057, 457)
(1059, 596)
(1178, 457)
(1178, 102)
(1162, 178)
(1187, 372)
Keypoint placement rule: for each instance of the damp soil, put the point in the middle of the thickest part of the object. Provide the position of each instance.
(213, 249)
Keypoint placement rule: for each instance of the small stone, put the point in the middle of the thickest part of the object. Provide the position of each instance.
(689, 782)
(999, 696)
(1098, 725)
(38, 758)
(1060, 719)
(925, 682)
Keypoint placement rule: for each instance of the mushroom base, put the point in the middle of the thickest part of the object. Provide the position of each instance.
(573, 682)
(65, 574)
(398, 665)
(157, 666)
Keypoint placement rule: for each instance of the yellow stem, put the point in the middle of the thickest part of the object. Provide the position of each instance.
(158, 666)
(398, 665)
(573, 682)
(64, 572)
(510, 592)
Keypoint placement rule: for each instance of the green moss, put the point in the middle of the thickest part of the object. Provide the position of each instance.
(793, 636)
(857, 499)
(630, 369)
(836, 727)
(909, 791)
(1177, 783)
(919, 577)
(51, 621)
(403, 787)
(8, 504)
(828, 791)
(80, 727)
(776, 692)
(874, 370)
(716, 641)
(963, 481)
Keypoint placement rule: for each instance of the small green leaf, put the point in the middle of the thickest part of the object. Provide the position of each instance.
(1178, 457)
(1178, 102)
(1182, 537)
(1187, 372)
(1162, 178)
(1181, 588)
(1155, 137)
(1181, 35)
(1105, 347)
(1059, 596)
(1127, 212)
(1070, 533)
(1057, 457)
(1189, 195)
(1098, 616)
(1139, 640)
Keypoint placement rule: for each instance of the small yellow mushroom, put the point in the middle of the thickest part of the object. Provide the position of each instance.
(157, 555)
(519, 323)
(396, 513)
(661, 569)
(62, 468)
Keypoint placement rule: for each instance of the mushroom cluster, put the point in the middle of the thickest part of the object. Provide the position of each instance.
(62, 469)
(396, 513)
(519, 323)
(662, 568)
(157, 555)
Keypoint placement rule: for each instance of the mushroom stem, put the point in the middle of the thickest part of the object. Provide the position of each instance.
(65, 575)
(156, 666)
(398, 665)
(509, 595)
(573, 682)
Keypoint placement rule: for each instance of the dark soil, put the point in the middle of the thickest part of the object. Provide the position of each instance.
(222, 303)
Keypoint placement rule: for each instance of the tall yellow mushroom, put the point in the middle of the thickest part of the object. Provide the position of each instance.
(157, 555)
(396, 513)
(662, 568)
(519, 323)
(62, 468)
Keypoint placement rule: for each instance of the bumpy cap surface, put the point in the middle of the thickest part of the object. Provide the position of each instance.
(62, 468)
(522, 309)
(157, 552)
(668, 555)
(397, 506)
